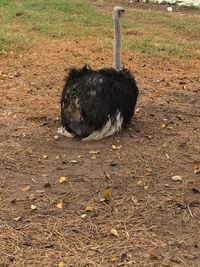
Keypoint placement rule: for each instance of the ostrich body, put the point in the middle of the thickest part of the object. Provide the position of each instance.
(98, 103)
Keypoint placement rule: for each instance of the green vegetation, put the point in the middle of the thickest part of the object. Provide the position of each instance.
(24, 22)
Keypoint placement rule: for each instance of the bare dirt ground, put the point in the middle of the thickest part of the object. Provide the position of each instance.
(157, 218)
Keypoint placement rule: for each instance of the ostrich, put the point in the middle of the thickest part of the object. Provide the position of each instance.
(98, 103)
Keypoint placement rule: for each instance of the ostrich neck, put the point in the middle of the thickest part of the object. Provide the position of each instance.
(117, 43)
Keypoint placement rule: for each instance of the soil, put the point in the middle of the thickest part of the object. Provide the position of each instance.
(156, 215)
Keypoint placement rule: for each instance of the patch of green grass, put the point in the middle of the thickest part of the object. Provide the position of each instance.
(151, 32)
(164, 35)
(158, 47)
(55, 18)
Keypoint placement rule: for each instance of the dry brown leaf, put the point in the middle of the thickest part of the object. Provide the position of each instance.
(107, 195)
(196, 168)
(73, 161)
(60, 205)
(62, 179)
(26, 188)
(114, 232)
(197, 171)
(34, 122)
(114, 147)
(94, 152)
(177, 178)
(89, 208)
(113, 258)
(33, 207)
(163, 125)
(17, 218)
(61, 264)
(56, 90)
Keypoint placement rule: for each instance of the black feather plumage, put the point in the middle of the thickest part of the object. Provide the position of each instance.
(91, 97)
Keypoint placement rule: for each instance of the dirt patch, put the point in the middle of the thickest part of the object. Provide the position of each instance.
(157, 218)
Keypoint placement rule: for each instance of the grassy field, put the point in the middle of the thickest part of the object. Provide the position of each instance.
(155, 33)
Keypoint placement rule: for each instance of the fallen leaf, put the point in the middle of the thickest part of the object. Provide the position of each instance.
(89, 208)
(17, 218)
(83, 216)
(163, 126)
(113, 258)
(73, 161)
(62, 179)
(34, 122)
(56, 90)
(114, 147)
(61, 264)
(60, 205)
(197, 171)
(94, 152)
(33, 207)
(177, 178)
(26, 188)
(107, 195)
(196, 168)
(114, 232)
